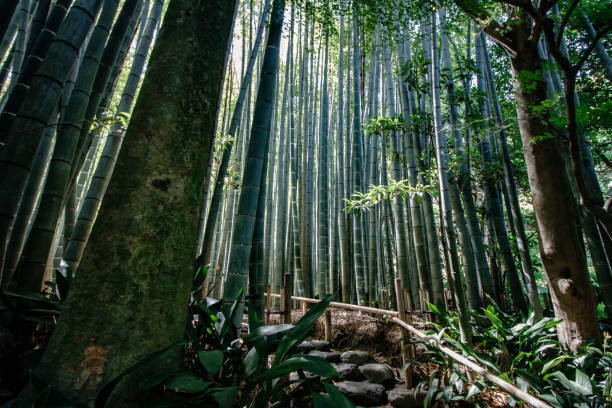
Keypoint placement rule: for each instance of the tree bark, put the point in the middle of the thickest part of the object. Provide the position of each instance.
(131, 295)
(556, 212)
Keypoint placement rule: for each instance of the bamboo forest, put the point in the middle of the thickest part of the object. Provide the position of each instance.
(305, 203)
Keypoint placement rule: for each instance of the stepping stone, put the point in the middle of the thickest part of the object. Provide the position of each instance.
(307, 346)
(322, 345)
(347, 371)
(376, 373)
(363, 393)
(331, 356)
(355, 357)
(403, 398)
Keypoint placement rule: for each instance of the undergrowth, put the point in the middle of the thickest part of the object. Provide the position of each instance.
(524, 352)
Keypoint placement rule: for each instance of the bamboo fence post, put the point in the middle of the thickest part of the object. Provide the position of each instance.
(401, 311)
(282, 305)
(288, 283)
(283, 299)
(408, 310)
(328, 326)
(421, 300)
(268, 300)
(304, 307)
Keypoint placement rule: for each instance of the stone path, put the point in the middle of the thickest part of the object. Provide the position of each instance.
(364, 381)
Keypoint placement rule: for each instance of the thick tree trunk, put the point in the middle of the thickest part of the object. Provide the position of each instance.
(130, 297)
(102, 173)
(556, 212)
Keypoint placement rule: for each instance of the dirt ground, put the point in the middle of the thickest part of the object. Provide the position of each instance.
(380, 337)
(353, 330)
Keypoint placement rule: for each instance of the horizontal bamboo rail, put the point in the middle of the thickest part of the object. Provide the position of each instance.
(396, 317)
(364, 309)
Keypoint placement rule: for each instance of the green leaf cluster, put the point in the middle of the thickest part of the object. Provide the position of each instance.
(224, 371)
(526, 353)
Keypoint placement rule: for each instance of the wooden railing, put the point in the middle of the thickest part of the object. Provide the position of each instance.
(403, 318)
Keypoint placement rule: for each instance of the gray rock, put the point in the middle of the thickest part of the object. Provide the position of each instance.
(376, 373)
(403, 398)
(294, 377)
(363, 393)
(322, 345)
(334, 356)
(355, 357)
(305, 346)
(331, 356)
(347, 371)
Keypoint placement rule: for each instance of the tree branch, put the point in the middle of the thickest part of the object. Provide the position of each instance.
(608, 204)
(528, 7)
(546, 5)
(601, 155)
(591, 47)
(492, 29)
(565, 20)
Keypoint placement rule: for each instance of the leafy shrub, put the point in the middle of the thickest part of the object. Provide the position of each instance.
(526, 353)
(225, 370)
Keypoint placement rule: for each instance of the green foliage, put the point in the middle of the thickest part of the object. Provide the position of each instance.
(526, 353)
(376, 194)
(380, 126)
(108, 119)
(226, 371)
(38, 308)
(414, 72)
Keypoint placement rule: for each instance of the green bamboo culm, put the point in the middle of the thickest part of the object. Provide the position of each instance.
(103, 171)
(244, 225)
(54, 194)
(17, 157)
(33, 61)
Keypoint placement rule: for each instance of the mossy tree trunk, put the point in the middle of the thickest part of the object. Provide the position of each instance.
(130, 296)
